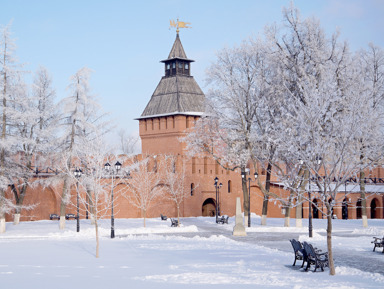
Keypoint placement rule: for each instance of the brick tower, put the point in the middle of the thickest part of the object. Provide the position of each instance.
(174, 106)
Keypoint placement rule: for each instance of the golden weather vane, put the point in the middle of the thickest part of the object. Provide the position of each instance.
(178, 24)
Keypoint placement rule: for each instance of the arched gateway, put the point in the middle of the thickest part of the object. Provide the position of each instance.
(209, 208)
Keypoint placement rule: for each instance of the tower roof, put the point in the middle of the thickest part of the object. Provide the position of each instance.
(176, 93)
(177, 51)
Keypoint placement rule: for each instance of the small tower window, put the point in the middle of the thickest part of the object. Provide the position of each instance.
(180, 65)
(186, 66)
(168, 66)
(173, 65)
(192, 188)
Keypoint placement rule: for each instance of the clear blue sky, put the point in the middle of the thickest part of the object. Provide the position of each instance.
(123, 41)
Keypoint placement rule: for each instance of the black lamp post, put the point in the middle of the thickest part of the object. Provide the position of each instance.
(218, 200)
(310, 210)
(77, 174)
(216, 181)
(310, 228)
(113, 172)
(249, 198)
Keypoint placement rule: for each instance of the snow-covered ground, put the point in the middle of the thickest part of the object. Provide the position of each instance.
(199, 254)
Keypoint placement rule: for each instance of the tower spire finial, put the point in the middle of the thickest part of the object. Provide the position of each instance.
(178, 24)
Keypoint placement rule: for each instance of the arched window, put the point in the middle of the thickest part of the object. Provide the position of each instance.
(315, 210)
(192, 189)
(229, 186)
(358, 209)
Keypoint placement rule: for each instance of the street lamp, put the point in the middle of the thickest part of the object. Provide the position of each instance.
(113, 172)
(310, 210)
(217, 187)
(77, 174)
(218, 202)
(249, 198)
(244, 174)
(310, 228)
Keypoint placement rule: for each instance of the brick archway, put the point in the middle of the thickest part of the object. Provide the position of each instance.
(374, 209)
(209, 208)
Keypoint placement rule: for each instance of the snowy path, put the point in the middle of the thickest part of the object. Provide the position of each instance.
(367, 261)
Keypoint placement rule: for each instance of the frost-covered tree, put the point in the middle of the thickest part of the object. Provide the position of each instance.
(144, 185)
(327, 114)
(128, 143)
(371, 74)
(10, 75)
(95, 184)
(34, 120)
(82, 122)
(237, 120)
(175, 181)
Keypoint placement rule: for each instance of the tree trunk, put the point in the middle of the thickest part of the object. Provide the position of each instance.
(363, 199)
(19, 201)
(97, 239)
(287, 215)
(2, 211)
(288, 209)
(266, 196)
(329, 240)
(299, 217)
(291, 194)
(64, 200)
(299, 207)
(245, 197)
(91, 209)
(178, 218)
(2, 154)
(16, 219)
(2, 224)
(144, 212)
(264, 211)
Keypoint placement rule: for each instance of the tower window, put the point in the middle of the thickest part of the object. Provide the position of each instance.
(173, 65)
(180, 65)
(192, 188)
(193, 165)
(168, 66)
(186, 66)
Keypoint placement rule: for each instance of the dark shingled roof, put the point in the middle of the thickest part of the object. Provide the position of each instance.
(176, 94)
